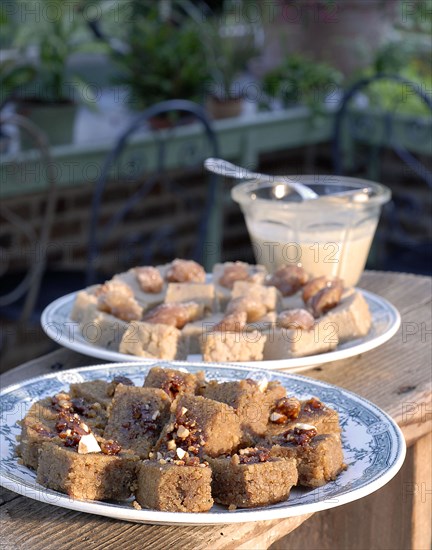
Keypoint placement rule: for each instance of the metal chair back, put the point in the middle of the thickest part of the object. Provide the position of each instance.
(157, 180)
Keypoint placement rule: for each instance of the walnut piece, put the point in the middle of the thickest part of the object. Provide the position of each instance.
(175, 314)
(185, 271)
(232, 273)
(286, 408)
(315, 285)
(117, 298)
(254, 309)
(149, 279)
(325, 299)
(295, 318)
(288, 279)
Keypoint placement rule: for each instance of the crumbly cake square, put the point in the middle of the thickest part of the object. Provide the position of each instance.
(171, 487)
(200, 293)
(136, 417)
(251, 400)
(318, 461)
(199, 425)
(252, 478)
(174, 382)
(92, 476)
(221, 346)
(153, 341)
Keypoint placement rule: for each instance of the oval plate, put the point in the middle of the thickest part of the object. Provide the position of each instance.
(57, 324)
(374, 447)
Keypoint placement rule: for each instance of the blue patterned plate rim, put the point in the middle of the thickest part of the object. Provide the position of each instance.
(374, 446)
(385, 323)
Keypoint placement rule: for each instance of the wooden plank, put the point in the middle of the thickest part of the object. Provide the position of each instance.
(29, 525)
(420, 490)
(378, 521)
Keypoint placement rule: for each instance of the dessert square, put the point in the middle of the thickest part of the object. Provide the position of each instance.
(173, 381)
(153, 341)
(228, 347)
(200, 293)
(174, 487)
(283, 343)
(199, 425)
(136, 417)
(312, 412)
(252, 401)
(37, 428)
(319, 457)
(94, 391)
(269, 296)
(152, 295)
(350, 319)
(83, 300)
(90, 476)
(252, 478)
(102, 329)
(226, 274)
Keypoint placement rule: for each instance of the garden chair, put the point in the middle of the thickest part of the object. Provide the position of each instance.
(154, 209)
(24, 247)
(363, 134)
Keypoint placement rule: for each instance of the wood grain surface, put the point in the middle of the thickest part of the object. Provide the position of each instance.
(396, 377)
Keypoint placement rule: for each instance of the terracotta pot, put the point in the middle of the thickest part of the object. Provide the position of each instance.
(224, 108)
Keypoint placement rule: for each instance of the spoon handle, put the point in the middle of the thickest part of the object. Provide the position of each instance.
(225, 168)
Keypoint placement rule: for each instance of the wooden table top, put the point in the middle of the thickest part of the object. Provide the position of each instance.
(396, 377)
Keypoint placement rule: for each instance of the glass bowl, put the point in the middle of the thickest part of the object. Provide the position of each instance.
(330, 235)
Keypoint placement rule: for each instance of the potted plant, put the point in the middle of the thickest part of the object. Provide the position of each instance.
(301, 81)
(229, 49)
(48, 42)
(164, 59)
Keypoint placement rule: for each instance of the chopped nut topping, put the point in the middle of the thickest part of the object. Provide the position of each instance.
(88, 444)
(183, 411)
(175, 314)
(313, 404)
(232, 273)
(155, 415)
(276, 417)
(185, 271)
(110, 447)
(234, 322)
(285, 409)
(171, 445)
(181, 453)
(295, 319)
(61, 402)
(149, 279)
(136, 505)
(173, 385)
(263, 385)
(253, 455)
(300, 436)
(182, 432)
(288, 279)
(70, 428)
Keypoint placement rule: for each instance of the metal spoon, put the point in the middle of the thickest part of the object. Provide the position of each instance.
(225, 168)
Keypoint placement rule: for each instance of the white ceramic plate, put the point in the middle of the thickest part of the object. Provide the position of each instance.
(374, 447)
(57, 324)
